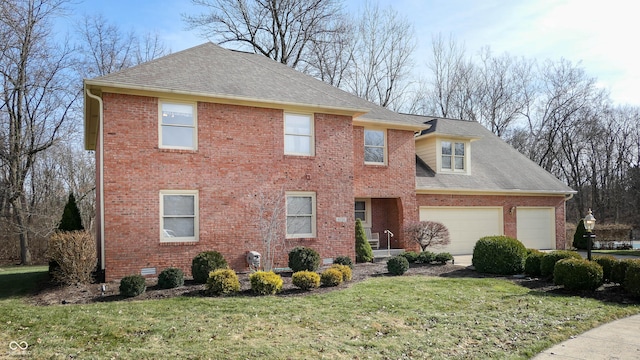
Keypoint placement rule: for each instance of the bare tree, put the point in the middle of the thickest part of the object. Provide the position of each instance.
(427, 233)
(270, 207)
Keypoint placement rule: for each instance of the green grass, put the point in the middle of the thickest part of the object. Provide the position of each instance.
(20, 280)
(619, 252)
(385, 317)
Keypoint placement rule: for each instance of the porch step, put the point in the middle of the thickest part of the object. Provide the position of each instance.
(386, 253)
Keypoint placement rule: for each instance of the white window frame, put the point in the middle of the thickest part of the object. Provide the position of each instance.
(465, 158)
(194, 113)
(367, 211)
(384, 146)
(310, 137)
(196, 216)
(313, 215)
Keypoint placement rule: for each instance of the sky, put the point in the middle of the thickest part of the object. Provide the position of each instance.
(601, 36)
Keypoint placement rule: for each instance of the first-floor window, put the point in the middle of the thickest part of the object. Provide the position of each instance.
(301, 214)
(179, 215)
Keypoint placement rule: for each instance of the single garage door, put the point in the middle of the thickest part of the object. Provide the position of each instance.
(466, 225)
(536, 227)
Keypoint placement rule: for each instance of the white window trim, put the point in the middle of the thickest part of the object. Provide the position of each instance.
(312, 137)
(384, 151)
(313, 214)
(367, 211)
(467, 156)
(196, 216)
(194, 106)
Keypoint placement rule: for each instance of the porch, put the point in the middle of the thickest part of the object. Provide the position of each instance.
(382, 220)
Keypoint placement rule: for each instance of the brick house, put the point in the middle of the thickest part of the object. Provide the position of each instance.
(190, 147)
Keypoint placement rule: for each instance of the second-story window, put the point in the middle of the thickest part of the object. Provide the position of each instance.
(298, 134)
(178, 126)
(452, 155)
(374, 146)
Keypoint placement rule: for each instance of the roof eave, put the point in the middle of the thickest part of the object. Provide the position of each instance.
(496, 192)
(389, 124)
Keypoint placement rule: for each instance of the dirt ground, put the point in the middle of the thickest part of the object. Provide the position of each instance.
(48, 294)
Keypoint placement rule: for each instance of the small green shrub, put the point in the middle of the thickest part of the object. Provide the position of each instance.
(222, 282)
(632, 278)
(532, 262)
(443, 257)
(345, 270)
(206, 262)
(619, 270)
(411, 256)
(550, 259)
(170, 278)
(331, 277)
(499, 255)
(579, 241)
(426, 257)
(577, 274)
(265, 282)
(132, 285)
(397, 265)
(364, 253)
(303, 258)
(607, 262)
(343, 260)
(306, 280)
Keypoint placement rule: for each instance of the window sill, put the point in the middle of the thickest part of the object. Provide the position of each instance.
(376, 164)
(178, 243)
(177, 151)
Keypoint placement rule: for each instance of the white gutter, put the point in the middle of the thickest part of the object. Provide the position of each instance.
(101, 179)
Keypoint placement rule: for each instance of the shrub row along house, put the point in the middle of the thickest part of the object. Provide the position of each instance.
(214, 149)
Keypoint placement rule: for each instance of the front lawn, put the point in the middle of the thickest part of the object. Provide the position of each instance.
(384, 317)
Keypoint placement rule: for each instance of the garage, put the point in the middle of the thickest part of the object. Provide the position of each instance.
(466, 225)
(536, 227)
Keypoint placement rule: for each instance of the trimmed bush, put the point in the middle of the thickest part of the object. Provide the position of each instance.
(607, 262)
(426, 257)
(306, 280)
(397, 265)
(577, 274)
(303, 258)
(345, 270)
(222, 282)
(265, 282)
(170, 278)
(132, 285)
(411, 256)
(73, 257)
(499, 255)
(532, 262)
(343, 260)
(331, 277)
(443, 257)
(579, 241)
(550, 259)
(364, 253)
(619, 270)
(206, 262)
(632, 278)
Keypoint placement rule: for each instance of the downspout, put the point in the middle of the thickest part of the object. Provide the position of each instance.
(101, 179)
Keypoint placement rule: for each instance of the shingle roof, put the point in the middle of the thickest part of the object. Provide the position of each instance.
(210, 70)
(495, 165)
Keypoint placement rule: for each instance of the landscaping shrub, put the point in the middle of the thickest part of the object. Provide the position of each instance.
(426, 257)
(303, 258)
(206, 262)
(579, 241)
(397, 265)
(364, 253)
(74, 256)
(550, 259)
(443, 257)
(632, 278)
(619, 270)
(532, 262)
(607, 262)
(411, 256)
(331, 277)
(345, 270)
(343, 260)
(306, 280)
(265, 282)
(577, 274)
(499, 255)
(132, 285)
(222, 282)
(170, 278)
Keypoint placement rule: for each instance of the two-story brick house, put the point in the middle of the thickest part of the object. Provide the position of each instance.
(189, 146)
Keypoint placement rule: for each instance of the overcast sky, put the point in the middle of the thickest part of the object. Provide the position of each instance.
(601, 35)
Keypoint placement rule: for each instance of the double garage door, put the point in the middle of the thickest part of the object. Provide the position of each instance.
(535, 225)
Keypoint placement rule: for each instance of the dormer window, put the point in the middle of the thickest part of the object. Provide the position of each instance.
(453, 156)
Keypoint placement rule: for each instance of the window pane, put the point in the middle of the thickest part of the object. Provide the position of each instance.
(374, 154)
(298, 224)
(179, 205)
(446, 162)
(178, 227)
(373, 138)
(298, 124)
(299, 205)
(177, 136)
(294, 144)
(361, 215)
(178, 114)
(446, 148)
(359, 205)
(460, 149)
(459, 163)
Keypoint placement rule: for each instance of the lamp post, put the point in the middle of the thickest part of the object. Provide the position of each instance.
(589, 223)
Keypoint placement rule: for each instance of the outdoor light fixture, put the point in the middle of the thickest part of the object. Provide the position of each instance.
(589, 223)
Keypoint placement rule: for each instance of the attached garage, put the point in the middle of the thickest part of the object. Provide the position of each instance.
(466, 225)
(536, 227)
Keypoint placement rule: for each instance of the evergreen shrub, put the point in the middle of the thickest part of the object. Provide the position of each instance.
(265, 282)
(170, 278)
(303, 258)
(206, 262)
(499, 255)
(222, 282)
(577, 274)
(306, 280)
(397, 265)
(132, 285)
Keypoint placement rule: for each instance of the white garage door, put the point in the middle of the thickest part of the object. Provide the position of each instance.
(536, 227)
(466, 225)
